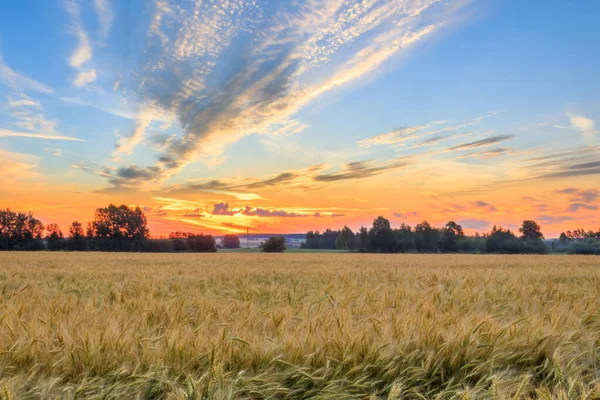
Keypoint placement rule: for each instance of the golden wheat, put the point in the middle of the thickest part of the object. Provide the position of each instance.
(322, 326)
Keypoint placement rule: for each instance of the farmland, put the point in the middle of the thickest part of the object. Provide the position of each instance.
(335, 326)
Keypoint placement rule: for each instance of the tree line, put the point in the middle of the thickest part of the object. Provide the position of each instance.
(114, 228)
(123, 228)
(450, 238)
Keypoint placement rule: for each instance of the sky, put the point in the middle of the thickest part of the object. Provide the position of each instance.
(283, 117)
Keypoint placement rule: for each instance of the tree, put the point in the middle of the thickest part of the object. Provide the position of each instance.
(563, 238)
(363, 235)
(451, 233)
(55, 238)
(531, 230)
(77, 237)
(426, 238)
(404, 239)
(381, 236)
(501, 241)
(20, 231)
(202, 243)
(274, 244)
(231, 242)
(120, 222)
(344, 239)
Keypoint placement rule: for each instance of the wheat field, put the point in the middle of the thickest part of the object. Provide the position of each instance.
(298, 326)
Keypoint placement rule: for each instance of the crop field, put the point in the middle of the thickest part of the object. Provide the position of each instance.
(298, 326)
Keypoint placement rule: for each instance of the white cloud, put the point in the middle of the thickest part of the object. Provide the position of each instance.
(23, 102)
(17, 81)
(83, 53)
(105, 15)
(125, 145)
(10, 133)
(33, 124)
(83, 78)
(585, 125)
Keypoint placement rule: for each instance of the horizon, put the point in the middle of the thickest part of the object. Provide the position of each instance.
(284, 118)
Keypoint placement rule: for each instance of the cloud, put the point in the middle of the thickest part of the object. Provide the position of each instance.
(578, 196)
(486, 206)
(83, 78)
(394, 137)
(276, 66)
(16, 81)
(105, 15)
(9, 133)
(399, 137)
(574, 207)
(193, 215)
(496, 152)
(135, 173)
(585, 125)
(54, 152)
(554, 219)
(223, 209)
(90, 167)
(362, 169)
(406, 215)
(83, 52)
(329, 215)
(23, 102)
(125, 145)
(262, 212)
(483, 142)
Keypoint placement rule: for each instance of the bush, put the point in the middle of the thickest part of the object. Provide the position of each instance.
(275, 244)
(231, 242)
(587, 246)
(202, 243)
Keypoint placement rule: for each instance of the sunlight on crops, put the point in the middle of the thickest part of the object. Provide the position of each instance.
(239, 326)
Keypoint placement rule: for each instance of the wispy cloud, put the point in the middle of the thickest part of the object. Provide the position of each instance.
(363, 169)
(282, 64)
(496, 152)
(31, 122)
(54, 152)
(105, 15)
(481, 143)
(9, 133)
(83, 51)
(400, 137)
(16, 81)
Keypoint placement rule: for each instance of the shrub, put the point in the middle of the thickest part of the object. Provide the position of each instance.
(275, 244)
(202, 243)
(231, 242)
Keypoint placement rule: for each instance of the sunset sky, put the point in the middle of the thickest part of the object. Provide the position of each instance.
(286, 116)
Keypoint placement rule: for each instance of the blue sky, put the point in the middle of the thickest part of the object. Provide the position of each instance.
(215, 102)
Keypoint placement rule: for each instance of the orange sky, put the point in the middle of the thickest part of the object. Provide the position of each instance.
(302, 204)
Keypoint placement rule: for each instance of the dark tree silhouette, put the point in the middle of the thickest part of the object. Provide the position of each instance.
(274, 244)
(531, 230)
(55, 238)
(231, 242)
(381, 236)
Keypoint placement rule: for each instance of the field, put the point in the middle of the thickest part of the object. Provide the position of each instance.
(326, 326)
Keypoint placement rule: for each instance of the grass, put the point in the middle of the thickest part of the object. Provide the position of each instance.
(298, 326)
